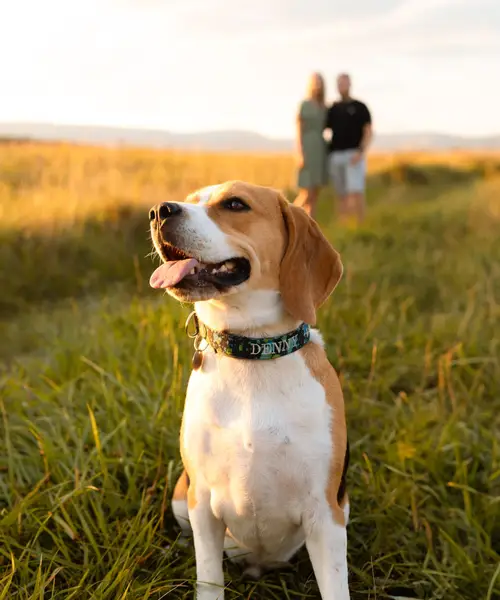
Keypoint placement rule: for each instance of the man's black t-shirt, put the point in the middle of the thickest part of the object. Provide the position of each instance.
(347, 119)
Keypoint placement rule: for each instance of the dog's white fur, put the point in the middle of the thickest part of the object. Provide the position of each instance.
(259, 443)
(203, 236)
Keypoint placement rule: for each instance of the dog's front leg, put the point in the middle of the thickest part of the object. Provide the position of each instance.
(326, 542)
(208, 534)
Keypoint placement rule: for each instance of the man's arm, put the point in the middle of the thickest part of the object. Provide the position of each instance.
(367, 137)
(367, 131)
(327, 125)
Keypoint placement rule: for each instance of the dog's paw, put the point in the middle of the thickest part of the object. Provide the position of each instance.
(183, 542)
(253, 572)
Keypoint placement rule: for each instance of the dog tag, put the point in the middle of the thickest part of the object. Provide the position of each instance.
(197, 360)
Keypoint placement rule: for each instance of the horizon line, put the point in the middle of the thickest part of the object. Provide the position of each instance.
(139, 128)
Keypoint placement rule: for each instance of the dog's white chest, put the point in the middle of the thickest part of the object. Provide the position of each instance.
(258, 435)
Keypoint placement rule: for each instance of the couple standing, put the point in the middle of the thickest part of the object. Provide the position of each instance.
(343, 159)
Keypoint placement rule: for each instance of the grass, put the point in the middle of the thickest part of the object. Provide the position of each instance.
(95, 364)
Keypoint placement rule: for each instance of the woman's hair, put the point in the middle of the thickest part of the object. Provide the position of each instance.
(316, 88)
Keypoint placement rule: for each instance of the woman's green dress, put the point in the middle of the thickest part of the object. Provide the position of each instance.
(312, 121)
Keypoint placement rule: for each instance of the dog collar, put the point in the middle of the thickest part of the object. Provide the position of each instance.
(239, 346)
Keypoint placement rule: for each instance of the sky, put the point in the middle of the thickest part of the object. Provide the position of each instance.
(204, 65)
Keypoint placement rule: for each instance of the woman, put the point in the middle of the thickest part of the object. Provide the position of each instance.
(311, 145)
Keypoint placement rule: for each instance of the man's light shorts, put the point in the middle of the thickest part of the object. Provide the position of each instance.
(346, 178)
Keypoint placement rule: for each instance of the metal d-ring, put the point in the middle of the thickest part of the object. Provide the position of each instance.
(192, 317)
(197, 343)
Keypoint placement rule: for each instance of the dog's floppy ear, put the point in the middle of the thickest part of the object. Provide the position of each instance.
(310, 268)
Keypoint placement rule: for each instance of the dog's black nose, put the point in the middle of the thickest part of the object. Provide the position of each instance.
(168, 209)
(163, 211)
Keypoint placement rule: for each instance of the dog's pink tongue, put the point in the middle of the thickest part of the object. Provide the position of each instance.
(170, 273)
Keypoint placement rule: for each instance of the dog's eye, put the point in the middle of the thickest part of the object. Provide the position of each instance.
(235, 204)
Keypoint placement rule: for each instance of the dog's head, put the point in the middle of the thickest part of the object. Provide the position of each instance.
(238, 237)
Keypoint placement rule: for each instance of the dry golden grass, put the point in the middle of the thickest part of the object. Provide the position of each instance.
(94, 366)
(62, 183)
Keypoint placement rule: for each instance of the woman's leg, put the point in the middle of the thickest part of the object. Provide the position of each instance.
(302, 198)
(313, 202)
(308, 199)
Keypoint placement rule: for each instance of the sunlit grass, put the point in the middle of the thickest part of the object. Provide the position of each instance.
(94, 368)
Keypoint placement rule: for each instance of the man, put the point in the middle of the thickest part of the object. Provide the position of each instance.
(351, 125)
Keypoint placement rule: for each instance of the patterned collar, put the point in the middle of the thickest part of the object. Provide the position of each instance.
(238, 346)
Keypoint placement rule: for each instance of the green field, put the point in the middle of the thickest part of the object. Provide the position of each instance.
(94, 366)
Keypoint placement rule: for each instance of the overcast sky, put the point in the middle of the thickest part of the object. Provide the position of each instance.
(191, 65)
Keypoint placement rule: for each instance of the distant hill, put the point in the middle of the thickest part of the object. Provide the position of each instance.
(244, 141)
(434, 141)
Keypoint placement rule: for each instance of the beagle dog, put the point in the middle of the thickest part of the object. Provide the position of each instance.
(263, 438)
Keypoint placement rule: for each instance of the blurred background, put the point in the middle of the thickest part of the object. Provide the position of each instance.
(108, 107)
